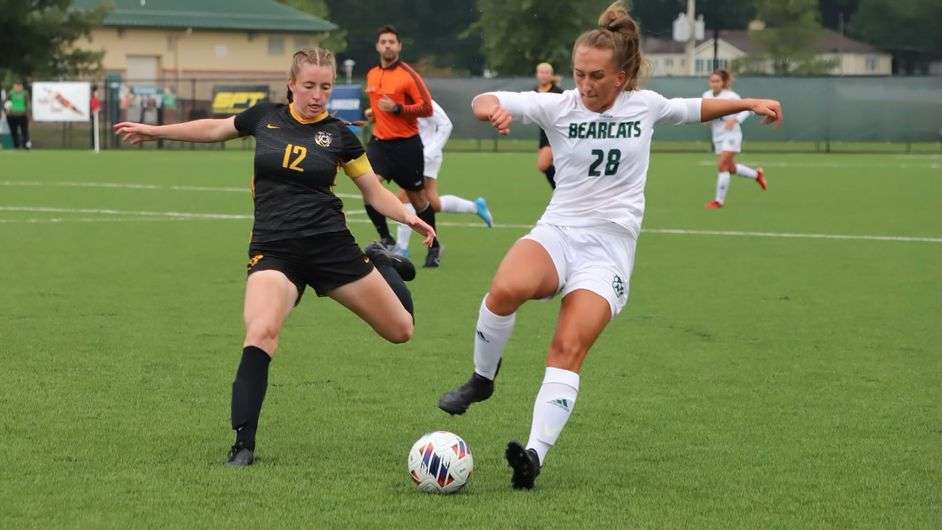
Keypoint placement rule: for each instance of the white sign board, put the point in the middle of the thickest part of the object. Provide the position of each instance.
(67, 101)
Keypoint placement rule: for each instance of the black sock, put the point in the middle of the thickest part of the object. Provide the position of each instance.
(248, 392)
(551, 176)
(428, 215)
(398, 286)
(379, 221)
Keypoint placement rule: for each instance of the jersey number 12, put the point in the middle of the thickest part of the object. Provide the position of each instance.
(292, 149)
(611, 162)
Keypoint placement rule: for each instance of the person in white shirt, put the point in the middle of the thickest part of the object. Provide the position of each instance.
(435, 131)
(583, 247)
(727, 141)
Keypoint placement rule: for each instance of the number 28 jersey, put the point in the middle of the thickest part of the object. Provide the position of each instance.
(296, 162)
(601, 159)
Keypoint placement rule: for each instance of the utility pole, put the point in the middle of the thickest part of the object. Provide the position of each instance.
(692, 39)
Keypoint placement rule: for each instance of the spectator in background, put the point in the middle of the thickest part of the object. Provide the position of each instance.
(16, 106)
(94, 108)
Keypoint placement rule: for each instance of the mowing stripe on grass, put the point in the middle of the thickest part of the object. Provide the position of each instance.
(223, 216)
(140, 186)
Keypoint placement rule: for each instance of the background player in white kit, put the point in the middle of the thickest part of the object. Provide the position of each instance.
(583, 247)
(727, 140)
(434, 131)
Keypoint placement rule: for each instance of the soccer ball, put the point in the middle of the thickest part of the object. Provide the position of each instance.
(440, 462)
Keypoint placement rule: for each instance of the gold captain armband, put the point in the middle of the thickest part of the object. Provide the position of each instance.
(357, 167)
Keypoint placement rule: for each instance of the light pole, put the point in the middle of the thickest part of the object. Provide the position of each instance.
(348, 69)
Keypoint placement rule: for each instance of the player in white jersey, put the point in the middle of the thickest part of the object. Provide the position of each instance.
(434, 132)
(727, 141)
(583, 247)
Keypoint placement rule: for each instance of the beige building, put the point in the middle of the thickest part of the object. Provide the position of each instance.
(189, 44)
(850, 57)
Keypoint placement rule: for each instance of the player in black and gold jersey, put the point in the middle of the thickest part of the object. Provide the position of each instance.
(300, 237)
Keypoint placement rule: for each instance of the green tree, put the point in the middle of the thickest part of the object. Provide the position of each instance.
(37, 37)
(909, 29)
(433, 32)
(789, 39)
(518, 35)
(336, 40)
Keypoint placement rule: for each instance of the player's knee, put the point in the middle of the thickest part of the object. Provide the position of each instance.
(400, 331)
(566, 354)
(263, 334)
(504, 298)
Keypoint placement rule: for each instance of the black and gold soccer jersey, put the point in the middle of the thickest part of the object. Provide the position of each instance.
(296, 162)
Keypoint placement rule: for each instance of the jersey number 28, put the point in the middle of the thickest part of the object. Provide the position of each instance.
(612, 160)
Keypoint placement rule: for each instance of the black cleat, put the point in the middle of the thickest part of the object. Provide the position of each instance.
(388, 243)
(525, 463)
(378, 253)
(434, 257)
(457, 401)
(240, 456)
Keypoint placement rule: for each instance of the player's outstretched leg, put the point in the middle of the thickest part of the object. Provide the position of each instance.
(403, 234)
(525, 464)
(395, 270)
(490, 337)
(248, 393)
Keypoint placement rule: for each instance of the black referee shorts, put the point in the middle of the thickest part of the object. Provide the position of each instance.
(400, 160)
(323, 261)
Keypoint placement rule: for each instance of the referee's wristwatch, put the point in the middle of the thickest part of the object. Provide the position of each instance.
(397, 109)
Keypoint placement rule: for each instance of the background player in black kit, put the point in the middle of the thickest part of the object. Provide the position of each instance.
(546, 81)
(300, 236)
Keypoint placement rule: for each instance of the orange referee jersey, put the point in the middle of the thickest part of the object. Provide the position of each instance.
(401, 83)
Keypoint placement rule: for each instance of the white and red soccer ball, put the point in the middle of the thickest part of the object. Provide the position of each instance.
(440, 462)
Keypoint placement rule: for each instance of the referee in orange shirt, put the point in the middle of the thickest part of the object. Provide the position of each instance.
(398, 97)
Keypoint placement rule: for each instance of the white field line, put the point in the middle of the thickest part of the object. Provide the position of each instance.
(834, 165)
(131, 215)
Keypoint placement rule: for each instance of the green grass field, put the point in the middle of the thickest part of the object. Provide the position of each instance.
(754, 381)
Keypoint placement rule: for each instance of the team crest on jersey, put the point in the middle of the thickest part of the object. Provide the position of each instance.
(323, 138)
(618, 285)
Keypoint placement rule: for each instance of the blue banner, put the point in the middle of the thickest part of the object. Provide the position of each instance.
(345, 104)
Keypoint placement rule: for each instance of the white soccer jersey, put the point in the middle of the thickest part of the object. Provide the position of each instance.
(601, 159)
(434, 131)
(718, 125)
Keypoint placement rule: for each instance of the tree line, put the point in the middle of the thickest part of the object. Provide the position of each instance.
(465, 37)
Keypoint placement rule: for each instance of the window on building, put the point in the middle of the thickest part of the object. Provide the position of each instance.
(872, 64)
(669, 63)
(302, 42)
(276, 45)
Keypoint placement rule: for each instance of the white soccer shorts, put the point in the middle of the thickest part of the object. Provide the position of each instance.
(432, 165)
(731, 141)
(594, 258)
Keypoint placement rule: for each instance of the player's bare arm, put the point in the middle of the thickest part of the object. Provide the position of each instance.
(487, 107)
(205, 131)
(386, 203)
(769, 109)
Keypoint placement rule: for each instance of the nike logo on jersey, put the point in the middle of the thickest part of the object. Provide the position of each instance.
(270, 126)
(602, 130)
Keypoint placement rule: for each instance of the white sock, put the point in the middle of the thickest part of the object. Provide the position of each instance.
(490, 337)
(455, 204)
(551, 410)
(746, 171)
(403, 232)
(722, 186)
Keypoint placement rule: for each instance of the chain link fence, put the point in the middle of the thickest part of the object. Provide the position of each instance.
(826, 114)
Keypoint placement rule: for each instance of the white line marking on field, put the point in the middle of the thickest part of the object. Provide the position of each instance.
(182, 216)
(833, 165)
(140, 186)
